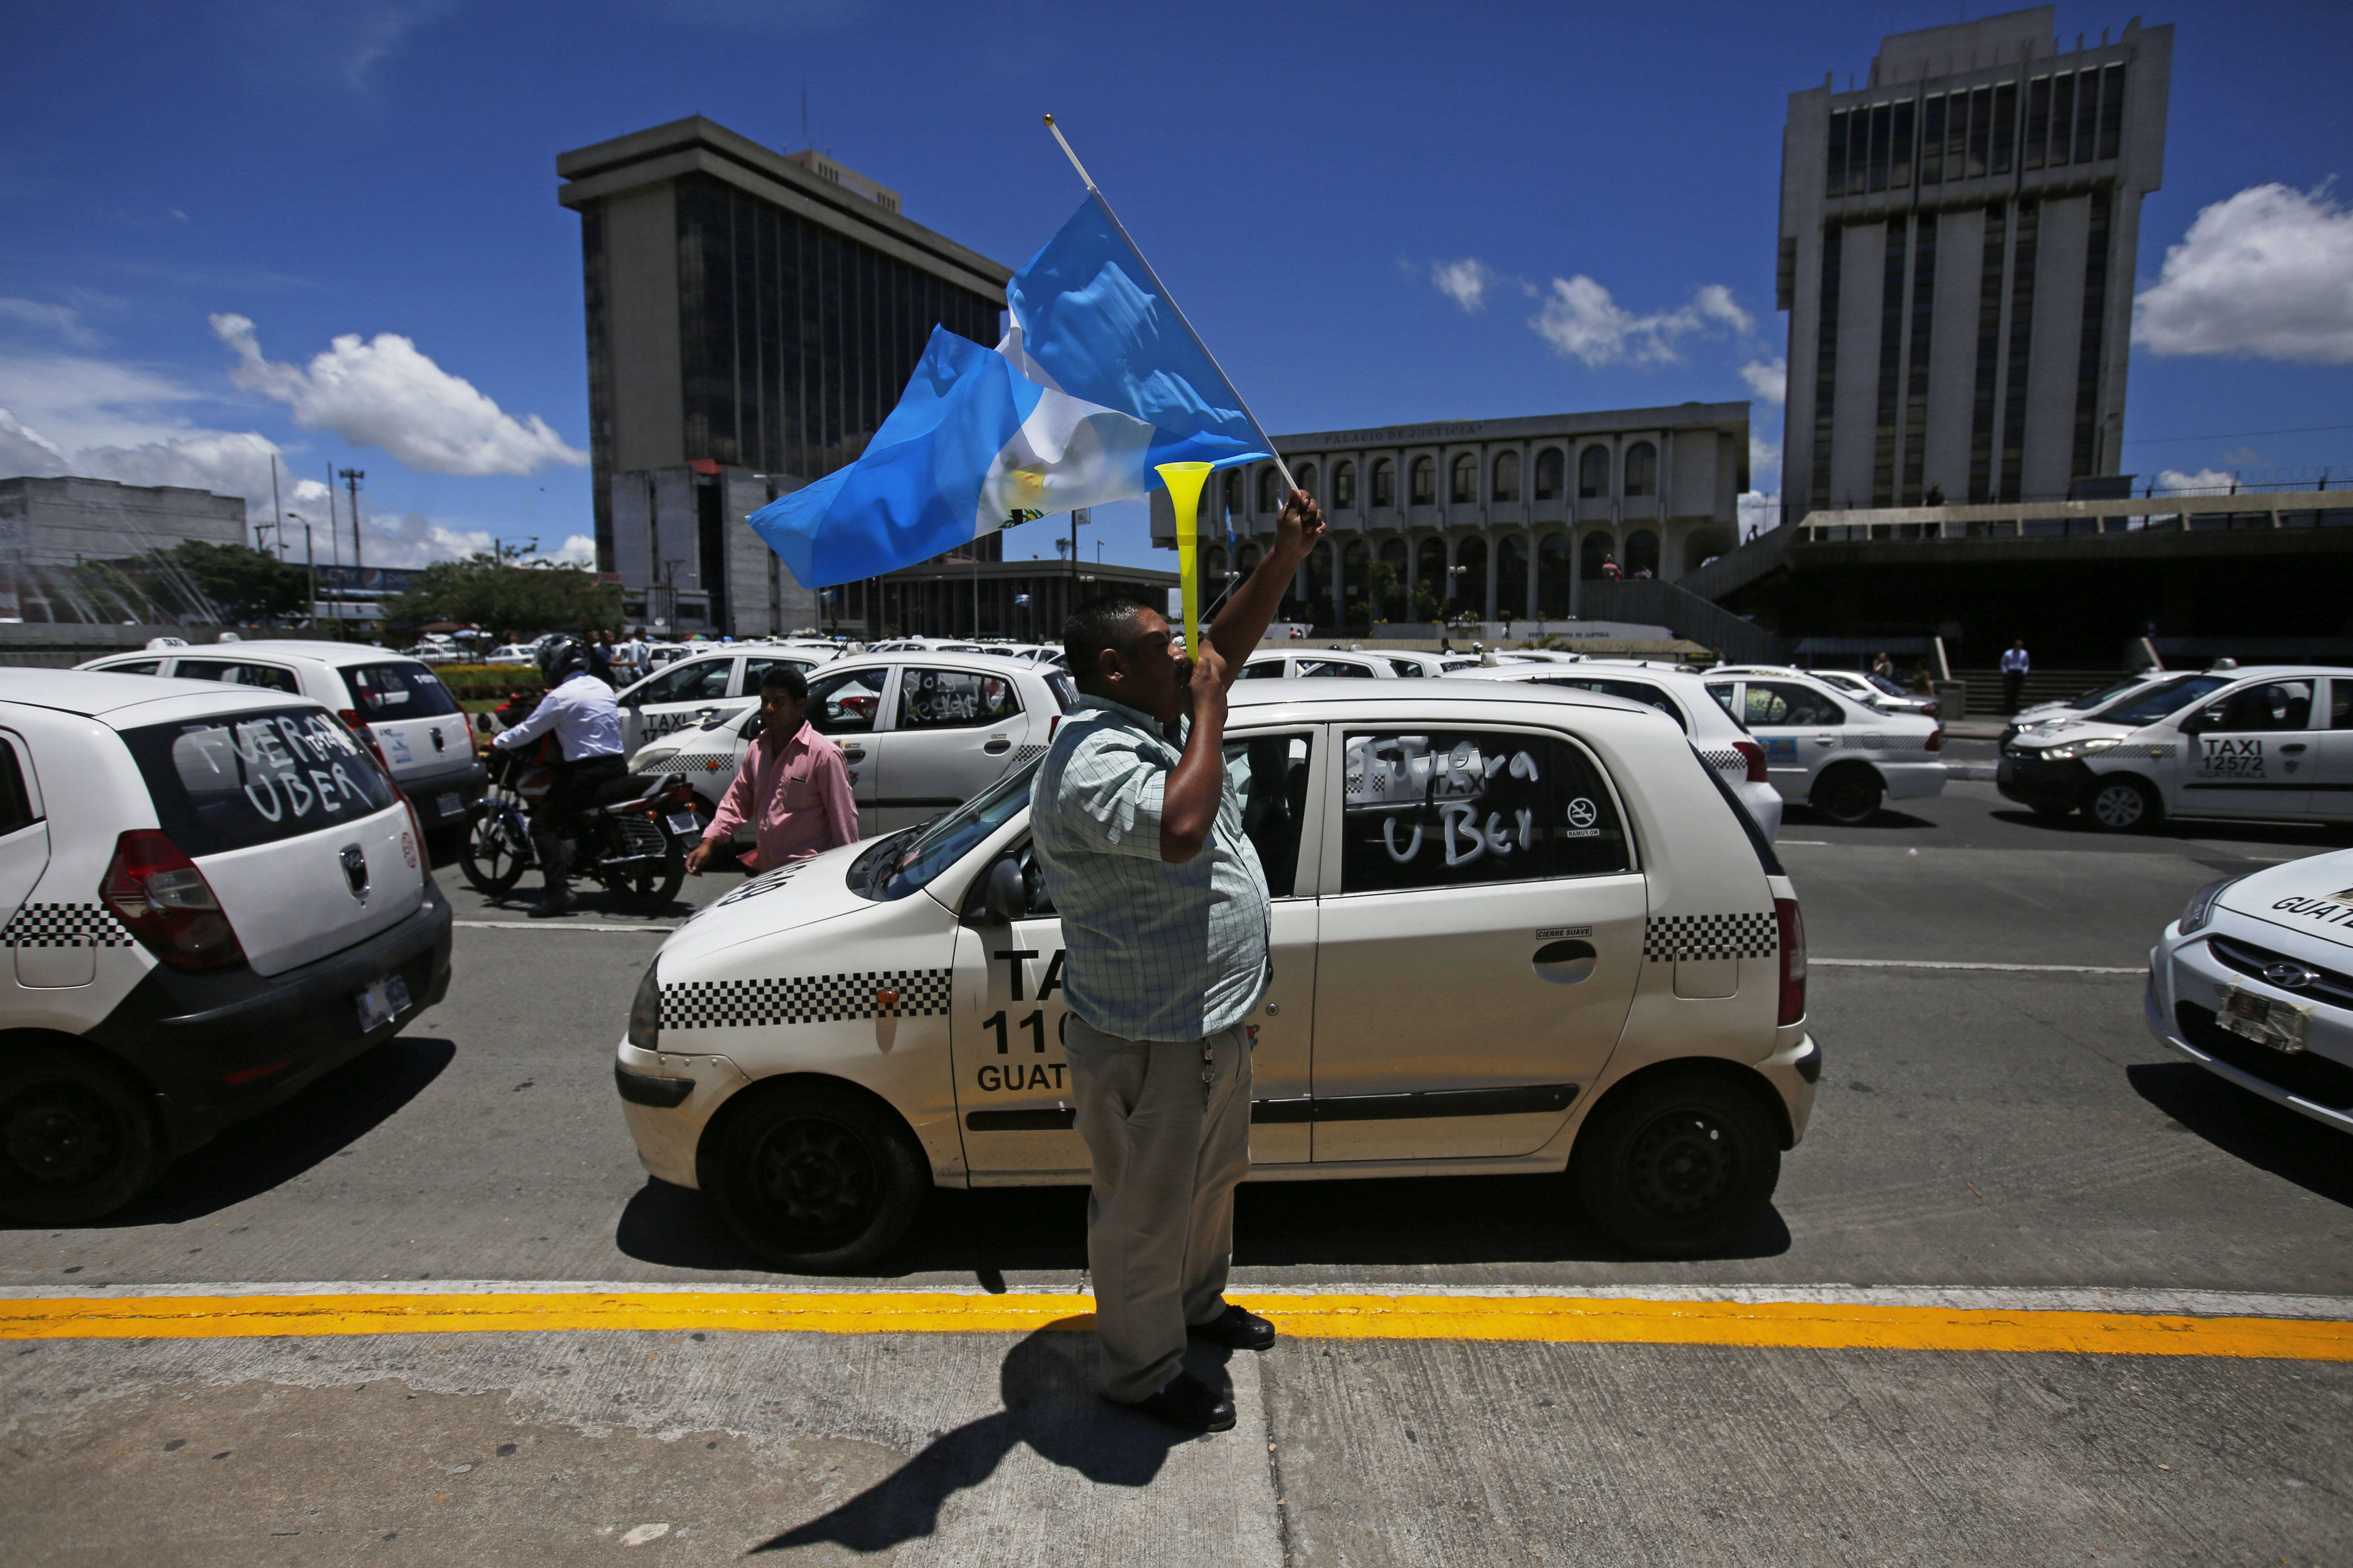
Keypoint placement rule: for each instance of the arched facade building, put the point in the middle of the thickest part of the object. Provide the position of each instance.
(1499, 518)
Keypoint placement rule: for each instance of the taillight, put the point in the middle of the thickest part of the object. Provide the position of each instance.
(1793, 960)
(680, 794)
(1935, 738)
(365, 736)
(157, 891)
(1753, 755)
(1052, 724)
(412, 842)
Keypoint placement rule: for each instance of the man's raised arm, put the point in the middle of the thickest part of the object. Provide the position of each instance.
(1240, 627)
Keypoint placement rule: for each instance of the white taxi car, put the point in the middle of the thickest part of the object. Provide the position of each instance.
(422, 734)
(209, 895)
(921, 732)
(2255, 983)
(2259, 742)
(1512, 930)
(1350, 664)
(704, 687)
(2042, 715)
(1715, 734)
(1839, 756)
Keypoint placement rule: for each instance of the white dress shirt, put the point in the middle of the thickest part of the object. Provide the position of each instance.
(581, 712)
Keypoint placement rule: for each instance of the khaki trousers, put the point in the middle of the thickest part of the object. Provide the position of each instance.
(1169, 1149)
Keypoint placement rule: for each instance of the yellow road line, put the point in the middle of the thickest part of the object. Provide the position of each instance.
(1558, 1319)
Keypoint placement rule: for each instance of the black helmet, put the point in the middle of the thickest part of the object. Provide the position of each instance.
(561, 659)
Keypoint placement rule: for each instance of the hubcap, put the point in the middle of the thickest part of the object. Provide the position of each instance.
(1682, 1164)
(2119, 805)
(816, 1175)
(61, 1135)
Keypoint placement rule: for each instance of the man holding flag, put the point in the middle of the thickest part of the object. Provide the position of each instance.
(1163, 906)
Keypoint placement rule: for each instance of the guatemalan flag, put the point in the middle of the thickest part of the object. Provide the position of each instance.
(1097, 382)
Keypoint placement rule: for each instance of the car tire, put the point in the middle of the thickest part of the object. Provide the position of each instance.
(2123, 803)
(1678, 1164)
(78, 1138)
(815, 1178)
(493, 862)
(1848, 794)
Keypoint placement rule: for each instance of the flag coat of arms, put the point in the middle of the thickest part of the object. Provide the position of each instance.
(1097, 382)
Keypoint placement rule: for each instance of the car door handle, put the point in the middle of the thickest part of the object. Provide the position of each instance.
(854, 754)
(998, 748)
(1564, 963)
(2298, 747)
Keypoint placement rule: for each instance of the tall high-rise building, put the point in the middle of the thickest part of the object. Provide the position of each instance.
(1956, 257)
(752, 317)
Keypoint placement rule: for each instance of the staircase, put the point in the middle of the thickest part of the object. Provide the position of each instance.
(1729, 573)
(2042, 686)
(1647, 601)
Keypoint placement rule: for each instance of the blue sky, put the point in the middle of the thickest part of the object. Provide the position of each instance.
(1300, 174)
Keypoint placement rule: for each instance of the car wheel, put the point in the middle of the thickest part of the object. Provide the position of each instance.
(815, 1178)
(648, 891)
(495, 853)
(1847, 795)
(2123, 805)
(1677, 1166)
(78, 1140)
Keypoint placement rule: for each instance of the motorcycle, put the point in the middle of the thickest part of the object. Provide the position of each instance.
(633, 833)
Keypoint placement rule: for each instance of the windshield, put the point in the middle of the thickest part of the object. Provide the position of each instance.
(397, 691)
(2160, 700)
(905, 862)
(1884, 684)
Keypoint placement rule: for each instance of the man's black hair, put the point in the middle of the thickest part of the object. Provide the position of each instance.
(1107, 621)
(794, 684)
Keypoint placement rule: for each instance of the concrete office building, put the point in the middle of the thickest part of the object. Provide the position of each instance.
(752, 316)
(48, 526)
(1500, 517)
(1956, 256)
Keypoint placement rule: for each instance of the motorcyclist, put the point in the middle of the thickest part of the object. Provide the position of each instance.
(580, 710)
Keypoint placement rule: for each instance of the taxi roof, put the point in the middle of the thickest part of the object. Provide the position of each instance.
(99, 694)
(1303, 690)
(992, 662)
(339, 654)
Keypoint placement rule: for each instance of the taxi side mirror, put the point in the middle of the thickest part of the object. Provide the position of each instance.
(754, 725)
(2205, 719)
(1003, 895)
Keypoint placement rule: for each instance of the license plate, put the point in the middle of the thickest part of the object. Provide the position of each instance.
(2263, 1019)
(683, 824)
(383, 1001)
(448, 803)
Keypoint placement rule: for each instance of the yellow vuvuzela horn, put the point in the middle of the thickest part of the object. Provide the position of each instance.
(1185, 482)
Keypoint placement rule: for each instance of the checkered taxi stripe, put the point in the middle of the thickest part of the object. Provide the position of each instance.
(64, 925)
(1725, 761)
(1672, 937)
(804, 999)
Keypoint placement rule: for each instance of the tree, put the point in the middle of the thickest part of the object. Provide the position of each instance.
(1425, 602)
(1386, 580)
(193, 580)
(494, 589)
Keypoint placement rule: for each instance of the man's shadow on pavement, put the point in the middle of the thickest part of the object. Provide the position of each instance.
(1050, 1404)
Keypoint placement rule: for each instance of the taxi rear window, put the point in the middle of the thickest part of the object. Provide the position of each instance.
(1448, 809)
(245, 779)
(400, 689)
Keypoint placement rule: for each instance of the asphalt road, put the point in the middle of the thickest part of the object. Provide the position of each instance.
(2006, 1137)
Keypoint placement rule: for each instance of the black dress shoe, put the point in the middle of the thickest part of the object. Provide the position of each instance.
(1187, 1403)
(1236, 1330)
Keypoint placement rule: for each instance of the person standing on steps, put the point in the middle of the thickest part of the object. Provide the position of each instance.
(587, 723)
(2014, 668)
(1138, 832)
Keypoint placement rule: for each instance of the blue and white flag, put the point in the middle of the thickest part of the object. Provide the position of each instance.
(1097, 382)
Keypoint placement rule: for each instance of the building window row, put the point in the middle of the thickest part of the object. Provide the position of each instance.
(1641, 475)
(2069, 117)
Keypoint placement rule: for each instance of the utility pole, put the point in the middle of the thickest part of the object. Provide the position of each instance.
(351, 477)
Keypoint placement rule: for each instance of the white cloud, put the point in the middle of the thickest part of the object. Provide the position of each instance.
(1760, 512)
(1582, 322)
(2267, 274)
(384, 393)
(1465, 281)
(63, 321)
(27, 452)
(1764, 458)
(2203, 480)
(1768, 382)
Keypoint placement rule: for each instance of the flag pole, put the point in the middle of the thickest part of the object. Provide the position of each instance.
(1265, 439)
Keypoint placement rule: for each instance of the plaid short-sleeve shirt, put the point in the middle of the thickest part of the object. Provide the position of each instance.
(1151, 950)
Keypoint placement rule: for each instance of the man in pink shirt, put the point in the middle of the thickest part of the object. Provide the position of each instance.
(793, 788)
